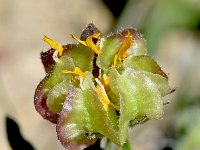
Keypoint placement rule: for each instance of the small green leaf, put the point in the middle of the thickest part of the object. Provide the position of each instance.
(144, 63)
(56, 96)
(109, 50)
(73, 127)
(139, 96)
(82, 56)
(145, 92)
(57, 76)
(100, 120)
(138, 48)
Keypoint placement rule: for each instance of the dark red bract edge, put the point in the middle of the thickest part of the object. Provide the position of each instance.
(47, 60)
(122, 34)
(40, 99)
(89, 30)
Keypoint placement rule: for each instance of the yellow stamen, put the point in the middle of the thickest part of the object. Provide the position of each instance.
(77, 71)
(104, 99)
(114, 106)
(89, 42)
(53, 44)
(103, 96)
(105, 81)
(122, 52)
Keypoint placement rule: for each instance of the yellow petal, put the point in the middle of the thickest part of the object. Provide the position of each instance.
(76, 71)
(122, 52)
(53, 44)
(89, 42)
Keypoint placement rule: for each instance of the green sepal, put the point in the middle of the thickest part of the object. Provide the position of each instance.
(56, 76)
(58, 83)
(82, 56)
(101, 121)
(84, 118)
(144, 63)
(138, 48)
(73, 128)
(145, 91)
(139, 96)
(109, 48)
(57, 95)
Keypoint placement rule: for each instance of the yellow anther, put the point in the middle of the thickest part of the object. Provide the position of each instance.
(122, 52)
(53, 44)
(114, 106)
(103, 96)
(76, 71)
(105, 81)
(104, 99)
(89, 42)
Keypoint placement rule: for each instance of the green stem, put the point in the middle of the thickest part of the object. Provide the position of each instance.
(126, 146)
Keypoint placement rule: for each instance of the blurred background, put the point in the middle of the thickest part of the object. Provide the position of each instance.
(172, 31)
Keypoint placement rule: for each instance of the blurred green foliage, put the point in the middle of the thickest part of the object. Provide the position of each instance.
(188, 129)
(155, 17)
(168, 14)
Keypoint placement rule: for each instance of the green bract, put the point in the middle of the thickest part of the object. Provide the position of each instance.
(90, 95)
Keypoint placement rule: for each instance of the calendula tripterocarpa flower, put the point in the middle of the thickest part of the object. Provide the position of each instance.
(99, 87)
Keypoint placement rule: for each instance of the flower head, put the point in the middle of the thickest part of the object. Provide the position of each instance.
(127, 87)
